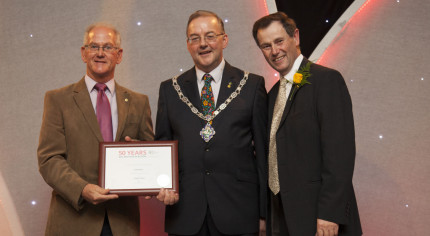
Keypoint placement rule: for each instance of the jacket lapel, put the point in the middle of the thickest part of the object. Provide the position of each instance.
(287, 107)
(229, 83)
(272, 99)
(190, 88)
(123, 99)
(83, 101)
(291, 96)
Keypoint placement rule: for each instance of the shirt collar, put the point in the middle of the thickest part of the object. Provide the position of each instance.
(90, 84)
(215, 73)
(294, 69)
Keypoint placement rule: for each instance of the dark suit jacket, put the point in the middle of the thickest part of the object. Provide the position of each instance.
(316, 154)
(227, 174)
(68, 155)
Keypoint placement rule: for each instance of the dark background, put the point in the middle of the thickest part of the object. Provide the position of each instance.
(311, 17)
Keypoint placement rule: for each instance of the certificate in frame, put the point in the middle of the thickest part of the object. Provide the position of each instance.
(139, 168)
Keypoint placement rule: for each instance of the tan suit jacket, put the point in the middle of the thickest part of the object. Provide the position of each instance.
(68, 155)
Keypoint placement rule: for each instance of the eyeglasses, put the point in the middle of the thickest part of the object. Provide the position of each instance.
(96, 48)
(209, 38)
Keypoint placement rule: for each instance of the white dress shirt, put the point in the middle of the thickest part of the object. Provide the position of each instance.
(290, 75)
(216, 82)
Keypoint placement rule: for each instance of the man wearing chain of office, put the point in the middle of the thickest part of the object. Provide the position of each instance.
(218, 114)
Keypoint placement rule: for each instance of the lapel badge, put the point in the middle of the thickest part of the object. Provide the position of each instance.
(229, 85)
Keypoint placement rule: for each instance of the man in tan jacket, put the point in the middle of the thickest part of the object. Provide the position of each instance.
(72, 129)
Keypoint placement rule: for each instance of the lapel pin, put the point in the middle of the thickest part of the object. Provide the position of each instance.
(229, 85)
(126, 100)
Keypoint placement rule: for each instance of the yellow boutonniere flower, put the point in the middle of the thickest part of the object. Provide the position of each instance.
(300, 78)
(297, 78)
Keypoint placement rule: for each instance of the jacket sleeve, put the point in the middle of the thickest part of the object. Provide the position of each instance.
(259, 132)
(334, 112)
(163, 130)
(52, 154)
(145, 130)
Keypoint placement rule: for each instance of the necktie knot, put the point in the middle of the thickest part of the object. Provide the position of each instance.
(283, 81)
(100, 87)
(207, 78)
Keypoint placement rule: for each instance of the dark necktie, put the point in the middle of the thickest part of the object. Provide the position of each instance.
(103, 113)
(207, 97)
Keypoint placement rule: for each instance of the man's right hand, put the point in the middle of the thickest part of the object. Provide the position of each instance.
(95, 194)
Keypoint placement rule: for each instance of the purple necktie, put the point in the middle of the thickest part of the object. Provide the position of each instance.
(103, 112)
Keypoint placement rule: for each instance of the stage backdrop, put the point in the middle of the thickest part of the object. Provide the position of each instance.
(382, 52)
(40, 51)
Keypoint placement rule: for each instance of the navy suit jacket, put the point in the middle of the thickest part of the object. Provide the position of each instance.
(316, 154)
(227, 174)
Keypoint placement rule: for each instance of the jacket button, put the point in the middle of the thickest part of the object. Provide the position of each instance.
(207, 172)
(207, 149)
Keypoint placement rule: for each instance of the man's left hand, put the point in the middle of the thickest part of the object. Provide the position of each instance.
(262, 228)
(128, 139)
(326, 228)
(168, 197)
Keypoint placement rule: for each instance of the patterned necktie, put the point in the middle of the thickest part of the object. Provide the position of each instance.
(103, 112)
(278, 110)
(207, 97)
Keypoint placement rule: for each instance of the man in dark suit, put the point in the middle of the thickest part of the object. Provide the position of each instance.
(76, 119)
(312, 145)
(218, 114)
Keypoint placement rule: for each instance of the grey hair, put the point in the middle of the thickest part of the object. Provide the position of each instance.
(101, 24)
(203, 13)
